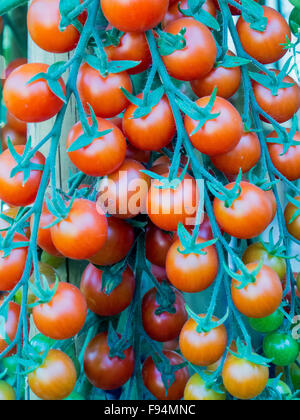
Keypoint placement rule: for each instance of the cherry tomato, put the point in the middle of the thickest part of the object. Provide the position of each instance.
(219, 135)
(267, 46)
(11, 327)
(294, 227)
(7, 393)
(202, 348)
(259, 299)
(103, 94)
(152, 132)
(244, 380)
(64, 316)
(9, 133)
(159, 273)
(174, 13)
(134, 15)
(98, 300)
(33, 102)
(103, 371)
(15, 124)
(281, 348)
(197, 390)
(53, 261)
(198, 57)
(82, 233)
(234, 10)
(14, 64)
(153, 379)
(164, 326)
(142, 156)
(157, 245)
(55, 379)
(268, 324)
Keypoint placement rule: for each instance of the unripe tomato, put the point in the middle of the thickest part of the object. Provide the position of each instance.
(10, 326)
(196, 390)
(9, 133)
(7, 393)
(174, 13)
(268, 324)
(294, 227)
(281, 348)
(157, 245)
(52, 260)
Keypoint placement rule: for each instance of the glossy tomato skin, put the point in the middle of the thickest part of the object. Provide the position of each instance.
(174, 13)
(9, 133)
(104, 155)
(7, 393)
(153, 380)
(152, 132)
(44, 27)
(192, 273)
(55, 379)
(289, 163)
(33, 102)
(244, 380)
(281, 348)
(198, 57)
(259, 299)
(12, 190)
(267, 46)
(134, 15)
(248, 216)
(16, 124)
(106, 304)
(82, 233)
(64, 316)
(103, 371)
(14, 64)
(120, 238)
(284, 105)
(219, 135)
(157, 245)
(103, 93)
(202, 349)
(294, 227)
(268, 324)
(244, 156)
(165, 326)
(196, 390)
(11, 327)
(227, 81)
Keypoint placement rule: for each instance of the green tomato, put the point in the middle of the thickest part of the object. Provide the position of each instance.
(268, 324)
(51, 260)
(10, 364)
(42, 343)
(295, 3)
(7, 393)
(281, 348)
(283, 389)
(294, 20)
(75, 396)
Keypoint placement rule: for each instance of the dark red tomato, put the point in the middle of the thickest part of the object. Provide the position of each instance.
(12, 190)
(82, 233)
(157, 245)
(55, 379)
(244, 156)
(267, 46)
(153, 380)
(11, 327)
(103, 155)
(227, 81)
(248, 216)
(14, 64)
(294, 227)
(124, 193)
(174, 13)
(217, 136)
(133, 46)
(43, 19)
(281, 107)
(120, 238)
(7, 393)
(103, 371)
(33, 102)
(12, 267)
(199, 55)
(152, 132)
(98, 301)
(16, 138)
(64, 316)
(289, 163)
(15, 124)
(164, 326)
(159, 273)
(103, 94)
(234, 10)
(134, 15)
(142, 156)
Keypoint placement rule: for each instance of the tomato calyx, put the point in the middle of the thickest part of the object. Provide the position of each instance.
(246, 277)
(244, 351)
(275, 249)
(169, 43)
(45, 293)
(260, 181)
(14, 222)
(195, 10)
(112, 276)
(165, 298)
(253, 13)
(112, 37)
(189, 242)
(166, 370)
(286, 139)
(206, 324)
(296, 203)
(169, 183)
(117, 345)
(226, 195)
(146, 103)
(69, 13)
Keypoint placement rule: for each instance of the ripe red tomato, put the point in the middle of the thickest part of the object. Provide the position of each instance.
(287, 164)
(12, 190)
(153, 380)
(244, 380)
(33, 102)
(98, 301)
(157, 245)
(159, 273)
(234, 10)
(142, 156)
(64, 316)
(43, 19)
(294, 227)
(11, 326)
(217, 136)
(197, 390)
(103, 371)
(248, 216)
(14, 64)
(55, 379)
(267, 46)
(227, 81)
(205, 230)
(134, 15)
(152, 132)
(7, 393)
(103, 94)
(16, 138)
(281, 107)
(104, 155)
(205, 348)
(82, 233)
(16, 124)
(165, 326)
(243, 156)
(192, 273)
(173, 13)
(259, 299)
(198, 57)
